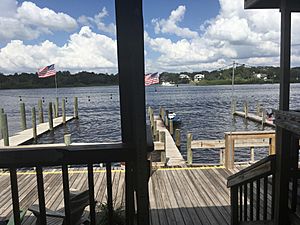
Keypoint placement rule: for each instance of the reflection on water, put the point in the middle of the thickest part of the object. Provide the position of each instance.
(205, 111)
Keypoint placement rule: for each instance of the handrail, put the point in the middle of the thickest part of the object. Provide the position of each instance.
(253, 172)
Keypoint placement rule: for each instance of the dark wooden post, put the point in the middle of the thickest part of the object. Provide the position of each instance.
(283, 137)
(130, 46)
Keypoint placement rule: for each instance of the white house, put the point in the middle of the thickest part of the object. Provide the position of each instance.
(261, 76)
(184, 76)
(199, 77)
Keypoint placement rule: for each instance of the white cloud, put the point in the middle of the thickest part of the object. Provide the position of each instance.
(28, 21)
(85, 50)
(170, 25)
(98, 21)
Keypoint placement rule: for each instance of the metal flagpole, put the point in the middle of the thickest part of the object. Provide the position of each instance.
(55, 85)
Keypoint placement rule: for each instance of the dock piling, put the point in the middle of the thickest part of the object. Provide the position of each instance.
(50, 116)
(221, 156)
(252, 154)
(162, 138)
(246, 109)
(1, 131)
(63, 108)
(33, 117)
(258, 109)
(67, 139)
(76, 107)
(23, 116)
(189, 148)
(263, 119)
(233, 106)
(177, 137)
(4, 127)
(171, 127)
(41, 114)
(56, 108)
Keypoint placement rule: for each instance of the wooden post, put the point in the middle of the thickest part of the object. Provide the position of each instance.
(1, 131)
(50, 116)
(23, 116)
(67, 139)
(33, 117)
(63, 108)
(160, 111)
(41, 113)
(252, 159)
(246, 110)
(229, 152)
(221, 157)
(4, 126)
(163, 154)
(189, 148)
(272, 144)
(258, 108)
(156, 136)
(233, 106)
(177, 137)
(171, 128)
(56, 108)
(75, 107)
(263, 118)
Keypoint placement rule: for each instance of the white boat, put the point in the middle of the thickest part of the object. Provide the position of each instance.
(167, 84)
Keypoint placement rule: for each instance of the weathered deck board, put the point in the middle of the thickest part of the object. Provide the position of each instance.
(27, 135)
(177, 195)
(172, 152)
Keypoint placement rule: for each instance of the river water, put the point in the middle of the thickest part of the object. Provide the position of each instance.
(204, 110)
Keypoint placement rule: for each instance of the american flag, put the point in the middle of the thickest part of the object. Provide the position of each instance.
(151, 78)
(47, 71)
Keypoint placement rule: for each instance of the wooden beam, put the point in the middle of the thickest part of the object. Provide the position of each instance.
(130, 46)
(283, 137)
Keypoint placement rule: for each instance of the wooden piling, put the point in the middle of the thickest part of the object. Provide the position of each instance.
(246, 109)
(171, 127)
(177, 137)
(4, 126)
(233, 106)
(50, 116)
(67, 139)
(1, 112)
(221, 156)
(63, 109)
(263, 119)
(56, 107)
(41, 113)
(252, 155)
(162, 138)
(33, 117)
(23, 116)
(156, 135)
(258, 108)
(75, 107)
(189, 148)
(54, 110)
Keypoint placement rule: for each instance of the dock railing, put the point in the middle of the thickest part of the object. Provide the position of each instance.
(232, 140)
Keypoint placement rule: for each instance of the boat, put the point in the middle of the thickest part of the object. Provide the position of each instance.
(168, 84)
(172, 116)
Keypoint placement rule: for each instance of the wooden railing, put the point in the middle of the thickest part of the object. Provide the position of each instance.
(60, 155)
(252, 192)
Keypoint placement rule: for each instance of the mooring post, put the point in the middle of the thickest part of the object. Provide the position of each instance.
(63, 109)
(1, 130)
(177, 137)
(33, 117)
(246, 110)
(41, 113)
(189, 148)
(50, 116)
(4, 126)
(263, 116)
(257, 108)
(229, 151)
(233, 106)
(163, 154)
(23, 116)
(171, 127)
(156, 136)
(75, 107)
(221, 156)
(56, 108)
(252, 154)
(67, 139)
(154, 128)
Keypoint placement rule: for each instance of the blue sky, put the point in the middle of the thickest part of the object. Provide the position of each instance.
(180, 36)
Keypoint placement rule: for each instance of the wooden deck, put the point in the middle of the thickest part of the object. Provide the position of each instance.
(27, 135)
(177, 195)
(174, 157)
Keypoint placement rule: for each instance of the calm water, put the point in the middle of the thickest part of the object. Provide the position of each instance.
(205, 111)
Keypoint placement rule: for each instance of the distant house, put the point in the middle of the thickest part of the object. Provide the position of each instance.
(261, 76)
(184, 76)
(199, 77)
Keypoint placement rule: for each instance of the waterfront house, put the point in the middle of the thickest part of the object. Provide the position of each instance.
(199, 77)
(184, 76)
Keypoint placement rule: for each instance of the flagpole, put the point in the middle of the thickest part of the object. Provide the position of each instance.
(55, 85)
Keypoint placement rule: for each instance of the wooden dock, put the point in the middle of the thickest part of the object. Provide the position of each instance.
(255, 118)
(178, 196)
(27, 135)
(173, 155)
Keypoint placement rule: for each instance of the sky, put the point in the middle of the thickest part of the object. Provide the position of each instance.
(179, 35)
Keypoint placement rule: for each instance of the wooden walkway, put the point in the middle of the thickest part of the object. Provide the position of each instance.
(178, 196)
(27, 135)
(174, 157)
(254, 118)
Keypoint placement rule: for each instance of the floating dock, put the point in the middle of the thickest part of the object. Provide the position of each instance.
(27, 135)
